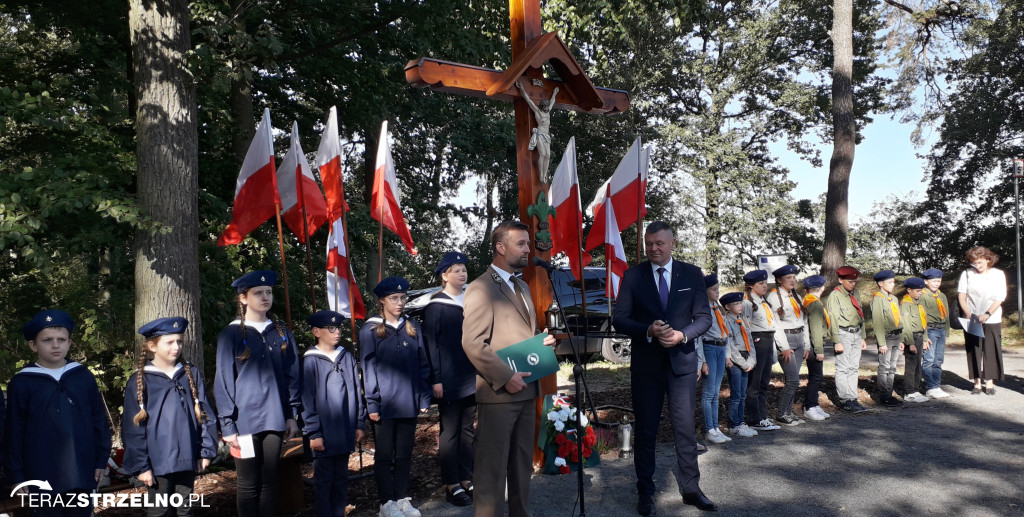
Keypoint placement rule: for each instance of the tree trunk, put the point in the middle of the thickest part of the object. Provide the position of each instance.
(713, 223)
(166, 262)
(844, 129)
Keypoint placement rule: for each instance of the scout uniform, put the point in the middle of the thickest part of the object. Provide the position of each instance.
(740, 351)
(888, 327)
(848, 330)
(915, 323)
(936, 307)
(767, 337)
(818, 327)
(790, 320)
(713, 343)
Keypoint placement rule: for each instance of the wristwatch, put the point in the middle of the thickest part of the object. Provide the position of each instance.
(683, 342)
(987, 313)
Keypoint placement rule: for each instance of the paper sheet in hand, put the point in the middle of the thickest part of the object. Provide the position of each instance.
(972, 327)
(530, 356)
(246, 448)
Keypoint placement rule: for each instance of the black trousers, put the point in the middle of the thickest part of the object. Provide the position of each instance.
(985, 356)
(760, 377)
(912, 370)
(180, 483)
(330, 485)
(649, 391)
(392, 458)
(455, 443)
(257, 476)
(815, 374)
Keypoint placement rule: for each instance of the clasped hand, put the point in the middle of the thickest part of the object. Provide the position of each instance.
(665, 334)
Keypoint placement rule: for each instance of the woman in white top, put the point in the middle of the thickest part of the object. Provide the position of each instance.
(981, 292)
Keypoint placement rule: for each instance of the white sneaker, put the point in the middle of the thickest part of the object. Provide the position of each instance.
(743, 430)
(722, 438)
(823, 413)
(390, 509)
(937, 393)
(406, 508)
(766, 425)
(919, 397)
(814, 414)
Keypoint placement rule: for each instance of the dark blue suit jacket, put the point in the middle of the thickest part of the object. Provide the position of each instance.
(638, 306)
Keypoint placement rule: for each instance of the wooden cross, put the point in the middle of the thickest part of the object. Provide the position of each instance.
(531, 49)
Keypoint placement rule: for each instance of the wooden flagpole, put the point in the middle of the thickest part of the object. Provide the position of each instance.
(380, 241)
(305, 232)
(284, 268)
(348, 254)
(639, 200)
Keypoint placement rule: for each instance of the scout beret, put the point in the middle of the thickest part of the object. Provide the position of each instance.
(884, 274)
(710, 280)
(391, 285)
(755, 276)
(784, 270)
(163, 326)
(323, 319)
(46, 319)
(913, 283)
(448, 260)
(254, 279)
(731, 298)
(931, 273)
(814, 281)
(848, 273)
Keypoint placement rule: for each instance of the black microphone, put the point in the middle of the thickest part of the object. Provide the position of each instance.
(539, 262)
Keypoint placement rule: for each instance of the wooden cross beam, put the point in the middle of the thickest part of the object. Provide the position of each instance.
(531, 49)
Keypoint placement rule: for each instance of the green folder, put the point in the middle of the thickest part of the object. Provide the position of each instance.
(531, 356)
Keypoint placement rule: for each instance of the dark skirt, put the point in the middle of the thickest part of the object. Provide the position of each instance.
(985, 356)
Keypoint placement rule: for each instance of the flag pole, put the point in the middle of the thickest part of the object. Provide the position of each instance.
(639, 199)
(579, 250)
(284, 268)
(380, 241)
(305, 232)
(608, 288)
(348, 254)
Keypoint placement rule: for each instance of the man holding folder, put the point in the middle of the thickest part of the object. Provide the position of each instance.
(499, 313)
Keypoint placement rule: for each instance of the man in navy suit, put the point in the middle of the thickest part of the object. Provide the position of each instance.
(662, 307)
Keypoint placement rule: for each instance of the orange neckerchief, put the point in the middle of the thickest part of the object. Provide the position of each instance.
(920, 310)
(743, 330)
(767, 311)
(809, 299)
(892, 306)
(792, 301)
(721, 322)
(943, 313)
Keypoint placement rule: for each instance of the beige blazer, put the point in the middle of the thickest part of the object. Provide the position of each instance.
(494, 320)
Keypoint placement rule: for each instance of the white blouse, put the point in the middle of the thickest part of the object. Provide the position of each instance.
(983, 289)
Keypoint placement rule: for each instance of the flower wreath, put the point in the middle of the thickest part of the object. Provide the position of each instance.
(561, 430)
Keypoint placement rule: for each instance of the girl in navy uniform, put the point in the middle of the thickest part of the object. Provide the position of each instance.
(453, 378)
(168, 436)
(333, 415)
(257, 391)
(397, 376)
(56, 425)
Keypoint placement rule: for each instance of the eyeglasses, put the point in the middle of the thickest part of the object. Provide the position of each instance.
(398, 299)
(332, 329)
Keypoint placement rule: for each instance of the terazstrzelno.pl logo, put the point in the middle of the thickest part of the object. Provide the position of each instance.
(48, 499)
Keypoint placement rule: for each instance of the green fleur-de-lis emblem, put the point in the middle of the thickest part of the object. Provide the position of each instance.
(542, 210)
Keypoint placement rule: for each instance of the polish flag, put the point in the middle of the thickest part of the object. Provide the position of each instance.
(384, 205)
(338, 286)
(299, 191)
(256, 198)
(627, 189)
(567, 222)
(615, 255)
(328, 160)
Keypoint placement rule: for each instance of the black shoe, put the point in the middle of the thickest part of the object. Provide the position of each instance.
(892, 401)
(701, 501)
(857, 408)
(457, 496)
(645, 505)
(976, 391)
(990, 391)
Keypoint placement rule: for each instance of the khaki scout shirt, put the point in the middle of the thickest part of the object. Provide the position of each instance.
(911, 314)
(930, 301)
(843, 313)
(883, 316)
(818, 325)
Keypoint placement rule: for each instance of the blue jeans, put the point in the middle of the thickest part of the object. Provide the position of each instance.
(738, 395)
(932, 359)
(715, 358)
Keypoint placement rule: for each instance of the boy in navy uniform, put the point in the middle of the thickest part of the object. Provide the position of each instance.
(333, 414)
(888, 327)
(56, 426)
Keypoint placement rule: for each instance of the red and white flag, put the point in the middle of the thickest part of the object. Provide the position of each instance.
(299, 191)
(339, 286)
(328, 160)
(384, 202)
(614, 253)
(627, 189)
(567, 223)
(256, 198)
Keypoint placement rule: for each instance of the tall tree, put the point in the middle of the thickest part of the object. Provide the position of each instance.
(844, 136)
(167, 259)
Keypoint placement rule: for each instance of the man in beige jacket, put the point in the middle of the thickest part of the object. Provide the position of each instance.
(499, 313)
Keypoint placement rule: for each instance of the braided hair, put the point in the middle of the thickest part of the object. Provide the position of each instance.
(381, 328)
(246, 352)
(140, 387)
(782, 308)
(747, 288)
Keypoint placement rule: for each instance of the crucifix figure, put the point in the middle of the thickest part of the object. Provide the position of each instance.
(531, 49)
(541, 137)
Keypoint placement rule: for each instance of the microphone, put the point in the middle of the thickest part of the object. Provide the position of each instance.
(539, 262)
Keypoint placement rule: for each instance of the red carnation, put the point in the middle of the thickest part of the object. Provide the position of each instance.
(590, 431)
(560, 439)
(575, 457)
(587, 452)
(564, 469)
(564, 451)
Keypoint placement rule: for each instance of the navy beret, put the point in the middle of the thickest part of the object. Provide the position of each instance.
(848, 273)
(163, 326)
(784, 270)
(931, 273)
(731, 298)
(814, 281)
(324, 319)
(710, 280)
(755, 276)
(254, 279)
(448, 260)
(46, 319)
(884, 274)
(913, 283)
(390, 285)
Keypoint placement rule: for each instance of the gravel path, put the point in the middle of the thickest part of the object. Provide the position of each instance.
(958, 456)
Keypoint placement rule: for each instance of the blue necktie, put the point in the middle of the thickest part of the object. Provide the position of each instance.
(662, 288)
